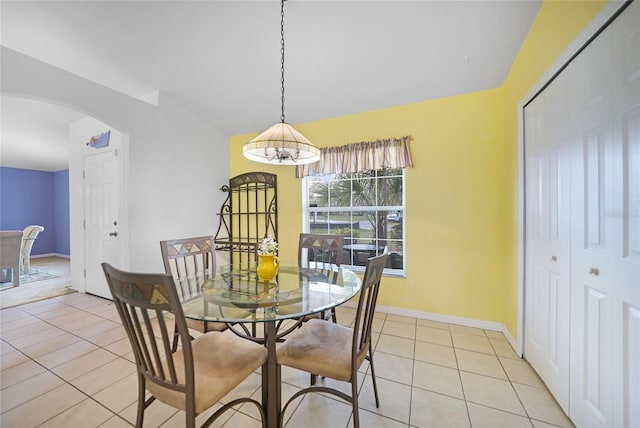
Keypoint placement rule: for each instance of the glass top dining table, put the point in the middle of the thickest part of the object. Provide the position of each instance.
(236, 295)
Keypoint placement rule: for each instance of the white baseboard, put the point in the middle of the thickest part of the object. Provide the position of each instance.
(38, 256)
(449, 319)
(513, 342)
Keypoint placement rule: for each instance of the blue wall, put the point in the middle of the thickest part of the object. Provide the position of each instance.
(37, 197)
(61, 211)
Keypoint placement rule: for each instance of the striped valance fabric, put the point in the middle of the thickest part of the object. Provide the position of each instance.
(360, 157)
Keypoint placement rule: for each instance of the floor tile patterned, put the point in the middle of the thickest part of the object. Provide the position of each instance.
(66, 362)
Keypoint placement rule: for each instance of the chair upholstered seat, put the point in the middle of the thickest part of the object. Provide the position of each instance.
(204, 327)
(320, 347)
(221, 361)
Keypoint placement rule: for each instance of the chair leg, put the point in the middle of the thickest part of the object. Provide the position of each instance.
(373, 376)
(313, 379)
(354, 401)
(141, 401)
(333, 316)
(190, 415)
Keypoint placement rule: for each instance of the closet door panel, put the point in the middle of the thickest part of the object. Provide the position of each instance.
(627, 216)
(628, 266)
(596, 366)
(547, 269)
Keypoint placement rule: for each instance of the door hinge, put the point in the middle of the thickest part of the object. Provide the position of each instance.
(84, 224)
(84, 273)
(83, 174)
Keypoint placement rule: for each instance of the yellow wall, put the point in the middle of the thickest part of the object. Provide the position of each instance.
(462, 194)
(455, 194)
(558, 23)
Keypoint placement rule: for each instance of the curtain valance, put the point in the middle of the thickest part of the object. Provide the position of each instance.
(359, 157)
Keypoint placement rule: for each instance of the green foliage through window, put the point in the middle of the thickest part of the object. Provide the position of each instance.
(366, 208)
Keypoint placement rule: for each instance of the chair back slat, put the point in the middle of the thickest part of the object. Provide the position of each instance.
(144, 303)
(366, 308)
(191, 261)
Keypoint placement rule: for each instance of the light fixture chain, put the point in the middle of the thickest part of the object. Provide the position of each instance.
(282, 61)
(281, 144)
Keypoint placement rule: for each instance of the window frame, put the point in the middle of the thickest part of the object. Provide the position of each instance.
(307, 212)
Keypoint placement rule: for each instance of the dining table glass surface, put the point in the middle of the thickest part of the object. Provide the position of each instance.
(237, 294)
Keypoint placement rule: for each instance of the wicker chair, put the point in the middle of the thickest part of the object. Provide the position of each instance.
(10, 241)
(29, 236)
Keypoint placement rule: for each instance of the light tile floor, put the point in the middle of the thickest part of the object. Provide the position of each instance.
(66, 362)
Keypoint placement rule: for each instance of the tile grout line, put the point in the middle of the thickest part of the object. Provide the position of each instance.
(464, 395)
(60, 377)
(511, 384)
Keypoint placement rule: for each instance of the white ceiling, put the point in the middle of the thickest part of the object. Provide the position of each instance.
(221, 59)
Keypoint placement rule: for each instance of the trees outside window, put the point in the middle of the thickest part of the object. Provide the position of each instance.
(366, 208)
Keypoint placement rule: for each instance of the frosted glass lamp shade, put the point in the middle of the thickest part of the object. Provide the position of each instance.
(281, 144)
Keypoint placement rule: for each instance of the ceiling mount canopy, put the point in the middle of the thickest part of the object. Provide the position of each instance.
(281, 144)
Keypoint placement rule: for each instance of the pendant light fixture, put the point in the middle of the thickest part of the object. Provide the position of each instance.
(281, 144)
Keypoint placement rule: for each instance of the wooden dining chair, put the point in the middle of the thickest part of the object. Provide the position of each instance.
(191, 261)
(336, 351)
(201, 371)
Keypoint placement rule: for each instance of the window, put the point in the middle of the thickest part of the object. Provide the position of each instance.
(366, 208)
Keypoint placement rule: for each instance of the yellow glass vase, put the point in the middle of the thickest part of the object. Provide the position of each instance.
(268, 267)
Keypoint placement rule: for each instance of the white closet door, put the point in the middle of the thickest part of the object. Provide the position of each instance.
(604, 302)
(626, 217)
(548, 238)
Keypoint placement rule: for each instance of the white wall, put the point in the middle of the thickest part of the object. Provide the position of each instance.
(176, 161)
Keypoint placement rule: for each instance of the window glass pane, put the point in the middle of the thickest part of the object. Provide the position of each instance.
(340, 193)
(389, 191)
(367, 223)
(390, 173)
(364, 192)
(360, 250)
(396, 258)
(318, 194)
(341, 223)
(394, 225)
(318, 222)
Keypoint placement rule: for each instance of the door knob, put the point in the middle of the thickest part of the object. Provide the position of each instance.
(554, 259)
(594, 271)
(113, 234)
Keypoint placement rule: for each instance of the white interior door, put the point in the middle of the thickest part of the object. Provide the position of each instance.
(547, 266)
(605, 311)
(627, 219)
(101, 218)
